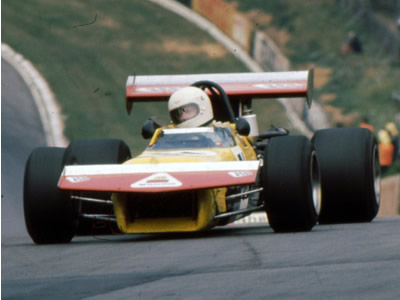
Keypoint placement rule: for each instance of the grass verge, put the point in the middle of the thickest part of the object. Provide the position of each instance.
(311, 32)
(86, 50)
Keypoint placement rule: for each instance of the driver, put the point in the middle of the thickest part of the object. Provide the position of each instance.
(190, 107)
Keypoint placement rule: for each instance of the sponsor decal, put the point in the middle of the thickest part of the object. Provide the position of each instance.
(157, 180)
(237, 174)
(238, 153)
(278, 85)
(156, 89)
(78, 179)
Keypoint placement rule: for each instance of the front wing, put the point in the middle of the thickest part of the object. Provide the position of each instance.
(153, 178)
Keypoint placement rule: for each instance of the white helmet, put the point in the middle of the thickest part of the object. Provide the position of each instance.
(190, 107)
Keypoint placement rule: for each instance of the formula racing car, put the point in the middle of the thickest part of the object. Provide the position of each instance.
(193, 179)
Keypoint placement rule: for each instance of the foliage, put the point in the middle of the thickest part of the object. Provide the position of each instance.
(86, 50)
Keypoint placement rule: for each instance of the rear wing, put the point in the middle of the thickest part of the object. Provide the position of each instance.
(237, 86)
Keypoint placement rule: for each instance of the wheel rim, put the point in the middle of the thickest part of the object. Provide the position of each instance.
(377, 175)
(315, 183)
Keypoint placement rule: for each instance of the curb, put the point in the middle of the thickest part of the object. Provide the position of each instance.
(49, 110)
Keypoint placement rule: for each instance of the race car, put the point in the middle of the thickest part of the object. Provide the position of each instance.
(193, 179)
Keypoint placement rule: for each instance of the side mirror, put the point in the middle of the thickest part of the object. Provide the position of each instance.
(242, 126)
(148, 129)
(150, 126)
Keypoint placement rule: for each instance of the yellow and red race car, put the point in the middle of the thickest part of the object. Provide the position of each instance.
(192, 179)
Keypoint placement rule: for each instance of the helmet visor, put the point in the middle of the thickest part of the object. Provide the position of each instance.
(184, 113)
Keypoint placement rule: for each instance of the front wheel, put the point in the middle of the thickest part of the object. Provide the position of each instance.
(291, 184)
(89, 152)
(49, 214)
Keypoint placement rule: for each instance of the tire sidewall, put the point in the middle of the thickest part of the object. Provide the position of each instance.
(49, 214)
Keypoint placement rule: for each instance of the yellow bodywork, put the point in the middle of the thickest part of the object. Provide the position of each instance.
(210, 202)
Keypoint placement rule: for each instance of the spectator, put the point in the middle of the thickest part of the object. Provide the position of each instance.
(365, 124)
(385, 150)
(353, 44)
(394, 135)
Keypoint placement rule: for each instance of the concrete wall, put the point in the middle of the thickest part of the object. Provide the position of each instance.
(390, 196)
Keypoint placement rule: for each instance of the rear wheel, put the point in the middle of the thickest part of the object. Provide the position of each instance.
(49, 214)
(350, 175)
(291, 184)
(89, 152)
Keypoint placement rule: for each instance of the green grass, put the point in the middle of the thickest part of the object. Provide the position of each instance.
(363, 83)
(86, 50)
(316, 29)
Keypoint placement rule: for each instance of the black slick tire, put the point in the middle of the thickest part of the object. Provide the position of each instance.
(350, 175)
(89, 152)
(291, 184)
(49, 214)
(96, 151)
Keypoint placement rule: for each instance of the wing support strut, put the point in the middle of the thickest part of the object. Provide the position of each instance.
(238, 212)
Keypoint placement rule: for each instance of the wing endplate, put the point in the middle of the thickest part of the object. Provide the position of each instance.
(151, 178)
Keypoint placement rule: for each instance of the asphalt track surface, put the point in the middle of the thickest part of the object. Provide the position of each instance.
(345, 261)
